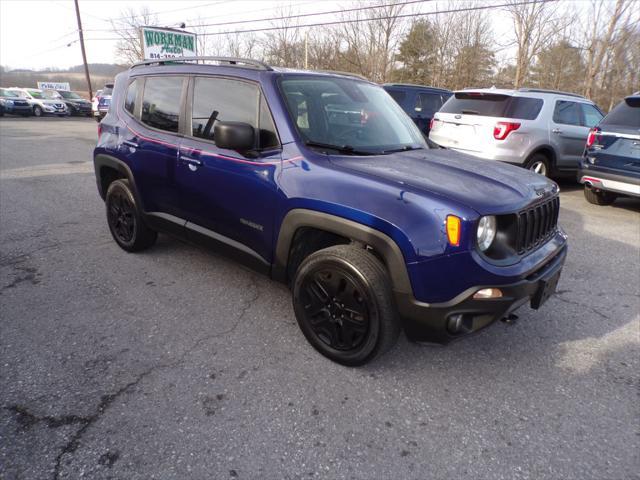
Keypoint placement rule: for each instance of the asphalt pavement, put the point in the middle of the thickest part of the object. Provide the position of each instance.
(177, 363)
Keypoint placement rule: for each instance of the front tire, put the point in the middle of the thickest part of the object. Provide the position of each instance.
(539, 164)
(599, 197)
(125, 220)
(37, 111)
(343, 304)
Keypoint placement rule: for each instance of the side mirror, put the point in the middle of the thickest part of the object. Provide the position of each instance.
(238, 136)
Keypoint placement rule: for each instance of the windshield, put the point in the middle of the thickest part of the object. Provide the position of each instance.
(70, 95)
(349, 115)
(52, 94)
(35, 93)
(8, 93)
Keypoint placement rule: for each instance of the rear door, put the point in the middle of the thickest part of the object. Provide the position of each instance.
(568, 133)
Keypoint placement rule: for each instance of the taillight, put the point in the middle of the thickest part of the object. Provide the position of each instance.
(431, 122)
(591, 138)
(99, 129)
(503, 129)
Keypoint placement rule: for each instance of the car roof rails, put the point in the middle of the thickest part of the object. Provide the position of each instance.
(414, 85)
(543, 90)
(227, 61)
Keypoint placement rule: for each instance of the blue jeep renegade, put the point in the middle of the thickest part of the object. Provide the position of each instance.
(321, 181)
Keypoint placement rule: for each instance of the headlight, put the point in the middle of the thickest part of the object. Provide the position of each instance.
(486, 232)
(9, 102)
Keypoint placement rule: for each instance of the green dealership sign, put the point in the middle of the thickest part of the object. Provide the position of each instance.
(167, 43)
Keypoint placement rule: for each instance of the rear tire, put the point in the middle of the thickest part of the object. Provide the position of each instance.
(343, 304)
(539, 164)
(124, 218)
(599, 197)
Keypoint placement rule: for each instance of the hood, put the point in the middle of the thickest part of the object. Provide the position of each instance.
(487, 186)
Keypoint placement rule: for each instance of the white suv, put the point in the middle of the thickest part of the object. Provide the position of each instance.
(542, 130)
(42, 102)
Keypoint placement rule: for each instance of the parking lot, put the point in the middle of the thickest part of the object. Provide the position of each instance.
(178, 363)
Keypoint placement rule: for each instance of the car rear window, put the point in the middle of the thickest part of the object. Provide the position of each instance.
(397, 95)
(626, 113)
(493, 105)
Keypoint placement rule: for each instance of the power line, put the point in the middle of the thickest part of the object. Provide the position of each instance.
(287, 17)
(362, 20)
(169, 11)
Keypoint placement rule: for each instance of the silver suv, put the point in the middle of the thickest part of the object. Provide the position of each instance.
(542, 130)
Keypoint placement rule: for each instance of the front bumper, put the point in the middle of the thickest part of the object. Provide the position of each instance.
(430, 322)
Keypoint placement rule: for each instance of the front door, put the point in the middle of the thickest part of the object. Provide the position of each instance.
(231, 193)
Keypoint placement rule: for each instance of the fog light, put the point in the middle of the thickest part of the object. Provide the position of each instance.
(454, 323)
(487, 293)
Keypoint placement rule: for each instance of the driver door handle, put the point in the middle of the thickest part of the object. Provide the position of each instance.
(129, 143)
(556, 130)
(191, 161)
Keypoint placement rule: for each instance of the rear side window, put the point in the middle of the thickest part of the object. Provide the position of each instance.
(161, 102)
(473, 103)
(626, 113)
(397, 95)
(524, 108)
(428, 102)
(130, 99)
(591, 115)
(225, 100)
(567, 113)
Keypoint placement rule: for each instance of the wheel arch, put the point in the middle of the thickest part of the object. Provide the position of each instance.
(108, 169)
(547, 151)
(386, 248)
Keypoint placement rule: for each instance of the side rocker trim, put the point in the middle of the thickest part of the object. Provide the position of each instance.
(381, 243)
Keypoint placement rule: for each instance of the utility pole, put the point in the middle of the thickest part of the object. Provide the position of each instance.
(306, 49)
(84, 54)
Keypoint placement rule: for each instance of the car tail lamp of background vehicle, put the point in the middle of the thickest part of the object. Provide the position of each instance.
(593, 134)
(503, 129)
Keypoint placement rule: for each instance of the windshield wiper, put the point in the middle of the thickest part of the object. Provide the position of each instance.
(406, 148)
(338, 148)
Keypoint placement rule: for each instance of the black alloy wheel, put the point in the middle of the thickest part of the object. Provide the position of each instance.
(343, 304)
(124, 219)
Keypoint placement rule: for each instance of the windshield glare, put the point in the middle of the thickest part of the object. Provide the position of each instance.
(72, 95)
(349, 113)
(52, 94)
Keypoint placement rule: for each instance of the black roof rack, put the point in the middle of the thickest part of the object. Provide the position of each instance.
(396, 84)
(229, 61)
(543, 90)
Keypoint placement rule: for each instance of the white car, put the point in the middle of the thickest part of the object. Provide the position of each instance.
(42, 102)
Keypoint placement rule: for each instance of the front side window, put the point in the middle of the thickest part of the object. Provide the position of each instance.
(592, 115)
(161, 102)
(225, 100)
(348, 115)
(567, 113)
(130, 98)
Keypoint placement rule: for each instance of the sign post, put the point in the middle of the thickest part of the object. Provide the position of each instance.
(167, 43)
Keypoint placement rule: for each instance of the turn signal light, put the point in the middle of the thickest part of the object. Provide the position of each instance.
(486, 293)
(503, 129)
(453, 230)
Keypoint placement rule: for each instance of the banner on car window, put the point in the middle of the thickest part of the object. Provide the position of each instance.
(167, 43)
(54, 86)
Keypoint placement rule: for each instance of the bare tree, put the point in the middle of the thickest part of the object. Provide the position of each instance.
(535, 25)
(602, 38)
(127, 27)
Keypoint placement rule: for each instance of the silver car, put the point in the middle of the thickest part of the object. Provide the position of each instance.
(542, 130)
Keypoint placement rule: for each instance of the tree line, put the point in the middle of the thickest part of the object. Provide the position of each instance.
(593, 50)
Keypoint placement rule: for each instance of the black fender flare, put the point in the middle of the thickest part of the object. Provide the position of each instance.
(103, 160)
(384, 245)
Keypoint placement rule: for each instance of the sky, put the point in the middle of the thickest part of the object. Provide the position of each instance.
(51, 38)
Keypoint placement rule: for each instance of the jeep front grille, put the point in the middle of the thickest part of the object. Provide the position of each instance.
(537, 224)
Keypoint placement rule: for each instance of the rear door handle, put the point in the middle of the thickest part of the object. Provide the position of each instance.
(130, 143)
(556, 130)
(191, 161)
